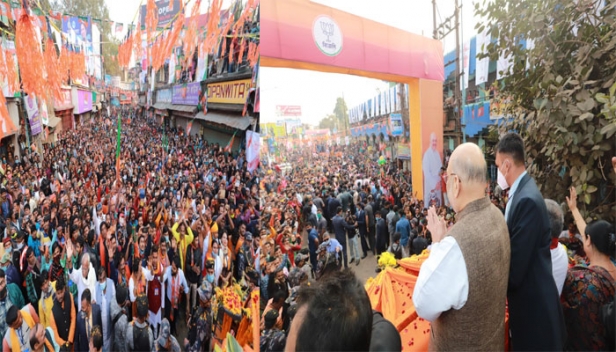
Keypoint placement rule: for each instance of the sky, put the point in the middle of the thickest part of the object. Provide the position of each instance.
(317, 98)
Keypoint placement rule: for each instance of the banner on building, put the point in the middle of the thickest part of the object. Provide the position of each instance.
(466, 60)
(78, 33)
(288, 110)
(186, 94)
(32, 110)
(503, 65)
(253, 145)
(396, 127)
(9, 49)
(167, 10)
(483, 65)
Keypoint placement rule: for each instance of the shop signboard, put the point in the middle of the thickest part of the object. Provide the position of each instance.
(230, 92)
(164, 96)
(32, 109)
(186, 94)
(82, 101)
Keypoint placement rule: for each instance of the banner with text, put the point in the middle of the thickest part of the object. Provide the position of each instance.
(167, 9)
(186, 94)
(288, 111)
(231, 92)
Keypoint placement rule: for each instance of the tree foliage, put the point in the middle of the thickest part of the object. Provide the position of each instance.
(329, 122)
(96, 9)
(341, 113)
(564, 104)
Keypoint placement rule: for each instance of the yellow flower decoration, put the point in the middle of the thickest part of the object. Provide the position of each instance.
(387, 259)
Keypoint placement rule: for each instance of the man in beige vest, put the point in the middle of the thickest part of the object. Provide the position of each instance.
(462, 286)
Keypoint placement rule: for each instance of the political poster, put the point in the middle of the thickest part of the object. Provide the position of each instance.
(78, 33)
(167, 11)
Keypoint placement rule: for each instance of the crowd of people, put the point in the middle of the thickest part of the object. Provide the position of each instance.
(495, 248)
(170, 246)
(96, 258)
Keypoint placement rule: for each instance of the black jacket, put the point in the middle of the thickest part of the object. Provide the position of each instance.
(81, 338)
(536, 319)
(385, 337)
(340, 227)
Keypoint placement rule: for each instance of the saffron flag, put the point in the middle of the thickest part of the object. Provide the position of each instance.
(189, 127)
(253, 147)
(230, 145)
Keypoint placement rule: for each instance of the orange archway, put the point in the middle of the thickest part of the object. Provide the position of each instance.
(304, 35)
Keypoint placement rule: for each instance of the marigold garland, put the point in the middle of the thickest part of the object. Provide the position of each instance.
(11, 71)
(30, 55)
(231, 299)
(151, 18)
(64, 64)
(172, 38)
(6, 124)
(253, 54)
(54, 76)
(77, 65)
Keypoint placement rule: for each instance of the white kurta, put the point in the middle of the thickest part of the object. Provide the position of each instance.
(82, 283)
(442, 283)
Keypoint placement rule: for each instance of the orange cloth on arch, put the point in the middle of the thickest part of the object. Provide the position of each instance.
(391, 293)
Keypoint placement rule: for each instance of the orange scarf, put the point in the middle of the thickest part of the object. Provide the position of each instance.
(175, 293)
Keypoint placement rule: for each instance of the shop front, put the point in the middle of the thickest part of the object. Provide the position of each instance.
(9, 145)
(226, 111)
(82, 106)
(161, 105)
(63, 109)
(97, 106)
(183, 107)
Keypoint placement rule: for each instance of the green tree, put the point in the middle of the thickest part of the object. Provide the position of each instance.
(342, 115)
(96, 9)
(330, 122)
(564, 104)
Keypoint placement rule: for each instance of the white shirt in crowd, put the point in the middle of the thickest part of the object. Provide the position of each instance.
(170, 280)
(565, 234)
(442, 283)
(90, 282)
(560, 265)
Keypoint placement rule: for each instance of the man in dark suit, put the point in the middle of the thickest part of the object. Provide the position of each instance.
(340, 227)
(332, 205)
(88, 317)
(535, 315)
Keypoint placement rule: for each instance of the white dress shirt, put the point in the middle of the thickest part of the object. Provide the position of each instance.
(560, 265)
(442, 283)
(168, 278)
(512, 190)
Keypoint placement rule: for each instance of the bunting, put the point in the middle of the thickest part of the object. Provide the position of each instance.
(30, 55)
